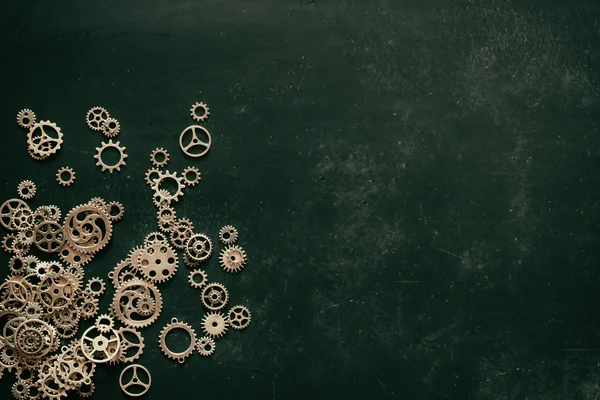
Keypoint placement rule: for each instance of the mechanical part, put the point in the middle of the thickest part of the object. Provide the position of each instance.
(165, 195)
(23, 219)
(95, 286)
(96, 117)
(57, 290)
(26, 237)
(191, 176)
(6, 212)
(126, 297)
(205, 346)
(145, 305)
(214, 296)
(151, 175)
(85, 391)
(159, 153)
(191, 145)
(232, 259)
(73, 257)
(65, 176)
(26, 118)
(115, 210)
(175, 324)
(118, 164)
(123, 272)
(228, 234)
(199, 112)
(215, 325)
(154, 238)
(166, 219)
(49, 237)
(87, 304)
(127, 342)
(17, 265)
(197, 278)
(88, 228)
(181, 232)
(44, 139)
(140, 385)
(104, 323)
(111, 127)
(199, 247)
(100, 347)
(26, 190)
(189, 262)
(158, 263)
(239, 317)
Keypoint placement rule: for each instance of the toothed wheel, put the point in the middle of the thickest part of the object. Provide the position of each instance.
(110, 167)
(115, 210)
(26, 190)
(166, 178)
(232, 259)
(239, 317)
(214, 296)
(65, 176)
(228, 234)
(198, 247)
(26, 118)
(151, 175)
(153, 238)
(96, 117)
(159, 157)
(180, 356)
(215, 325)
(205, 346)
(111, 127)
(199, 112)
(104, 323)
(96, 286)
(191, 176)
(197, 278)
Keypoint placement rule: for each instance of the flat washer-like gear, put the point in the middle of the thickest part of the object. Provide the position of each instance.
(193, 276)
(232, 259)
(122, 156)
(199, 112)
(191, 176)
(96, 117)
(181, 356)
(205, 346)
(228, 234)
(165, 157)
(215, 324)
(26, 118)
(65, 176)
(26, 190)
(111, 127)
(165, 195)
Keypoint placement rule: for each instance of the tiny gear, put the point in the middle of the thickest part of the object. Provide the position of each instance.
(96, 117)
(26, 190)
(118, 164)
(191, 176)
(154, 237)
(104, 323)
(65, 176)
(239, 317)
(199, 112)
(26, 118)
(205, 346)
(228, 234)
(163, 154)
(111, 127)
(193, 278)
(232, 259)
(214, 296)
(95, 286)
(214, 324)
(115, 210)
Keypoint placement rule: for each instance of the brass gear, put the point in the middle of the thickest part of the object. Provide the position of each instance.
(195, 273)
(239, 317)
(73, 257)
(168, 197)
(26, 118)
(175, 324)
(123, 306)
(153, 238)
(40, 143)
(215, 325)
(65, 181)
(205, 346)
(78, 233)
(182, 231)
(96, 117)
(158, 263)
(232, 258)
(193, 181)
(228, 234)
(26, 190)
(115, 210)
(163, 153)
(127, 344)
(198, 247)
(111, 127)
(20, 390)
(203, 108)
(85, 391)
(26, 237)
(118, 164)
(151, 175)
(104, 323)
(95, 282)
(214, 296)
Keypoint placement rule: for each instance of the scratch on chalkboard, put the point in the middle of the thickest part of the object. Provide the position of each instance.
(448, 252)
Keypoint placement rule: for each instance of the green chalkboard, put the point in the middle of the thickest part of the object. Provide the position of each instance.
(415, 183)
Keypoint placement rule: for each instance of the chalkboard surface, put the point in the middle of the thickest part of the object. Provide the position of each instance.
(416, 184)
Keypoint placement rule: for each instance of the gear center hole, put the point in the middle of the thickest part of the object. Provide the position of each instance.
(111, 156)
(178, 340)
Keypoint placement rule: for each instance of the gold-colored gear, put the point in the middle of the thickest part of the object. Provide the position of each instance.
(165, 157)
(194, 179)
(123, 272)
(158, 263)
(87, 228)
(126, 344)
(98, 283)
(49, 237)
(158, 198)
(181, 356)
(40, 143)
(65, 181)
(20, 390)
(215, 325)
(181, 232)
(239, 317)
(165, 195)
(96, 117)
(26, 190)
(6, 212)
(204, 112)
(189, 262)
(145, 305)
(97, 202)
(100, 347)
(151, 175)
(205, 346)
(153, 238)
(23, 219)
(26, 237)
(17, 265)
(115, 210)
(85, 391)
(192, 278)
(118, 164)
(232, 258)
(26, 118)
(111, 127)
(214, 296)
(198, 247)
(74, 257)
(104, 323)
(123, 303)
(228, 234)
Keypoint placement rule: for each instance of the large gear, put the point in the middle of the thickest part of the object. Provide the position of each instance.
(181, 356)
(26, 190)
(42, 144)
(49, 237)
(164, 155)
(205, 346)
(6, 212)
(26, 118)
(232, 259)
(87, 228)
(100, 347)
(192, 278)
(124, 306)
(239, 317)
(165, 195)
(215, 325)
(65, 176)
(158, 263)
(204, 112)
(96, 117)
(214, 296)
(118, 164)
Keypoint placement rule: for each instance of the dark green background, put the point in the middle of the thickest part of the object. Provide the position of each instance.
(416, 183)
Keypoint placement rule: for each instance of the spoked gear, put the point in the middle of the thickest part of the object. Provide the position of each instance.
(199, 112)
(215, 325)
(163, 154)
(205, 346)
(191, 176)
(214, 296)
(44, 139)
(194, 276)
(111, 127)
(118, 164)
(232, 259)
(104, 323)
(228, 234)
(182, 231)
(26, 190)
(96, 117)
(239, 317)
(199, 247)
(26, 118)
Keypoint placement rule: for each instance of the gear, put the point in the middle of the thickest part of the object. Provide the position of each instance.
(26, 190)
(65, 176)
(123, 272)
(49, 237)
(158, 263)
(97, 202)
(214, 296)
(164, 155)
(215, 325)
(115, 210)
(95, 283)
(203, 109)
(205, 346)
(166, 177)
(20, 390)
(100, 347)
(104, 323)
(181, 356)
(228, 234)
(189, 262)
(7, 243)
(181, 232)
(126, 344)
(26, 118)
(154, 237)
(26, 237)
(199, 247)
(239, 317)
(40, 143)
(6, 212)
(123, 303)
(191, 176)
(145, 306)
(118, 164)
(166, 219)
(134, 255)
(87, 228)
(232, 259)
(158, 198)
(151, 175)
(87, 304)
(96, 117)
(193, 278)
(111, 127)
(23, 219)
(85, 391)
(17, 265)
(73, 257)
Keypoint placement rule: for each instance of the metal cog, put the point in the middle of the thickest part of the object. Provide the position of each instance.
(239, 317)
(232, 259)
(40, 143)
(205, 346)
(115, 205)
(26, 118)
(96, 117)
(111, 127)
(191, 171)
(175, 324)
(26, 190)
(149, 174)
(204, 112)
(70, 176)
(215, 325)
(169, 197)
(104, 323)
(228, 234)
(214, 296)
(165, 156)
(102, 164)
(95, 281)
(193, 274)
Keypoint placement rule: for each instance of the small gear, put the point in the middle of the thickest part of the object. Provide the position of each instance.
(65, 176)
(159, 153)
(205, 346)
(153, 238)
(26, 118)
(86, 390)
(17, 265)
(181, 232)
(111, 127)
(95, 286)
(198, 247)
(191, 176)
(26, 237)
(215, 324)
(20, 390)
(127, 343)
(115, 210)
(158, 263)
(145, 306)
(23, 219)
(118, 164)
(228, 234)
(54, 213)
(239, 317)
(203, 109)
(97, 202)
(189, 262)
(181, 356)
(41, 144)
(7, 243)
(214, 296)
(26, 190)
(166, 177)
(193, 278)
(158, 198)
(104, 323)
(151, 175)
(96, 117)
(232, 259)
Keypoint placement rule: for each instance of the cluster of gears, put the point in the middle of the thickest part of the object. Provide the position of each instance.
(99, 119)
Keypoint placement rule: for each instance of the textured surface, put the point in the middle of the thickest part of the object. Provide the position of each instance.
(416, 183)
